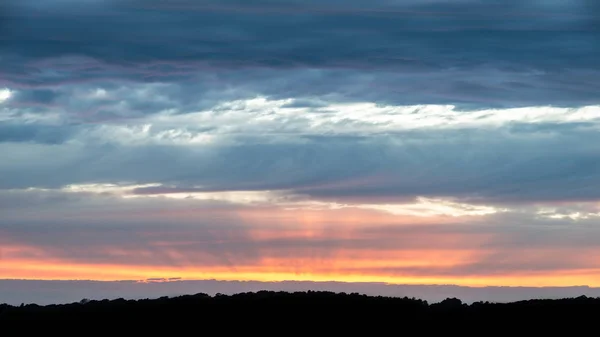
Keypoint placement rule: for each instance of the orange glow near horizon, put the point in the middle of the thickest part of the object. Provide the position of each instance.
(42, 271)
(276, 270)
(346, 245)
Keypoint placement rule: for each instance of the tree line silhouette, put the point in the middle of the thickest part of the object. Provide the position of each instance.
(314, 312)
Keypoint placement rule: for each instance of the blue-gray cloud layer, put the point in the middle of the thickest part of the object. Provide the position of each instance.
(470, 53)
(514, 163)
(188, 56)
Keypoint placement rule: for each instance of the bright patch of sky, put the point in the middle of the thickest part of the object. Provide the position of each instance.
(5, 94)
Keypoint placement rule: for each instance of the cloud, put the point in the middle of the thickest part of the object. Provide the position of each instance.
(435, 207)
(142, 238)
(44, 134)
(287, 200)
(34, 97)
(242, 150)
(413, 141)
(473, 54)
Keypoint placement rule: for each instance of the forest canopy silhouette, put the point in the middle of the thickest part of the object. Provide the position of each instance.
(299, 311)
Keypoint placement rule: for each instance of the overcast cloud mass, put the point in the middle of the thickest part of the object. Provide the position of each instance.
(396, 141)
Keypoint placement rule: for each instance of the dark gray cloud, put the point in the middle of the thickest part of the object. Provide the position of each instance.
(44, 134)
(470, 53)
(34, 97)
(505, 165)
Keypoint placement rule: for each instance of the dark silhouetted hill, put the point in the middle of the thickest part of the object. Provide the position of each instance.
(300, 313)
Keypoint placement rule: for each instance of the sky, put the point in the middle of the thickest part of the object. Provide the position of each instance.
(47, 292)
(391, 141)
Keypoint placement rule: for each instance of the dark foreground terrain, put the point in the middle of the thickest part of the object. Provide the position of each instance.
(291, 314)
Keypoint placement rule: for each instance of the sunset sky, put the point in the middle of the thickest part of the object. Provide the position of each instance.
(397, 141)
